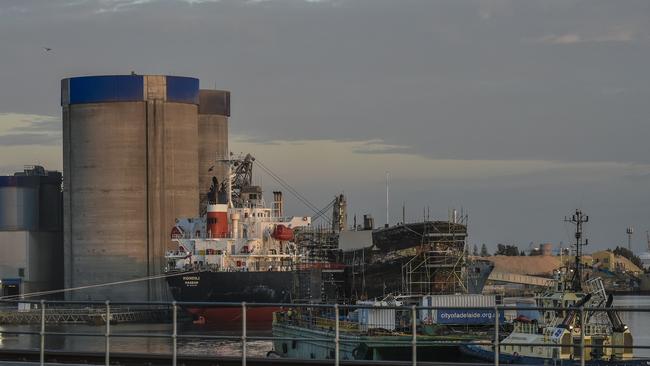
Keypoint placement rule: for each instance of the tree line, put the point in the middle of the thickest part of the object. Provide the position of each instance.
(502, 249)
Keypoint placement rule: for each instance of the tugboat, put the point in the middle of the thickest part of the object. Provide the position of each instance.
(240, 250)
(562, 331)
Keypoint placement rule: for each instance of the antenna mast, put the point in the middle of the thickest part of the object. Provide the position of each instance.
(578, 219)
(387, 217)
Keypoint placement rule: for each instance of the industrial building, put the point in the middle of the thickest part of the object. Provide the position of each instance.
(31, 231)
(132, 148)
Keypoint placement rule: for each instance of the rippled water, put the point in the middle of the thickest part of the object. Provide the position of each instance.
(188, 346)
(639, 324)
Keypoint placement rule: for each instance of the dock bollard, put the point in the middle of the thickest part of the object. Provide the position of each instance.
(497, 345)
(337, 340)
(107, 334)
(243, 333)
(414, 340)
(42, 348)
(174, 333)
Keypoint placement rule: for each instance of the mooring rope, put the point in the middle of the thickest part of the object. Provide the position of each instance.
(69, 289)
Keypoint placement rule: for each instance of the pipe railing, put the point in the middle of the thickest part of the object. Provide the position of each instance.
(335, 337)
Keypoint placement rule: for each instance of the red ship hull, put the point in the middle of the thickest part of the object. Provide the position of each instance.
(257, 318)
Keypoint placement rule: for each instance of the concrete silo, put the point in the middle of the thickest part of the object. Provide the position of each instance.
(214, 110)
(130, 162)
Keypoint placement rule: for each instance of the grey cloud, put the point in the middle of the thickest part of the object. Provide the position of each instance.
(573, 38)
(385, 150)
(379, 147)
(448, 79)
(20, 139)
(43, 125)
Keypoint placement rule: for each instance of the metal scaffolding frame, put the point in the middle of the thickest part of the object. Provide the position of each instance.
(440, 265)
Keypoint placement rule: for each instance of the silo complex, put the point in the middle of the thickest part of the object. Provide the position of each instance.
(31, 232)
(214, 110)
(130, 161)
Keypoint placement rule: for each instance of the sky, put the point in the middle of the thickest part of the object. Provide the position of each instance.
(518, 112)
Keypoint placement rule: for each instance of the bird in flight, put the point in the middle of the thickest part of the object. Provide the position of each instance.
(47, 49)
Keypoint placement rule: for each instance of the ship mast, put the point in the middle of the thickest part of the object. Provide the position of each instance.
(229, 185)
(578, 219)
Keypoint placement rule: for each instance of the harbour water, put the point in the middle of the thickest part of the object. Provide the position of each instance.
(638, 322)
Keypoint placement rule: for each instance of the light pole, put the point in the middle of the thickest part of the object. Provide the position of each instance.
(629, 231)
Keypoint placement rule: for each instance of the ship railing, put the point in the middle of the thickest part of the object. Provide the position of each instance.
(597, 329)
(201, 236)
(176, 254)
(335, 330)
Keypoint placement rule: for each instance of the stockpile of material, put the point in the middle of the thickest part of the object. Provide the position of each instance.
(533, 266)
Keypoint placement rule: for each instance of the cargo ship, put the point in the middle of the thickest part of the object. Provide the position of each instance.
(240, 250)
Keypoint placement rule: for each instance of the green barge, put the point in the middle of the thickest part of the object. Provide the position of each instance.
(310, 334)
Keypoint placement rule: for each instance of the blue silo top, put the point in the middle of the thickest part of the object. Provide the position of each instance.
(125, 88)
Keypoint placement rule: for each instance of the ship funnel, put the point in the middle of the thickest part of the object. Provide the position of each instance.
(278, 204)
(368, 222)
(217, 220)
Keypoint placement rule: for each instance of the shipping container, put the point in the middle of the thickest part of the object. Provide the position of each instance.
(376, 317)
(464, 314)
(465, 317)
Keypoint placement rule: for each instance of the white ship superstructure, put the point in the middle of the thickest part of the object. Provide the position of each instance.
(246, 238)
(238, 232)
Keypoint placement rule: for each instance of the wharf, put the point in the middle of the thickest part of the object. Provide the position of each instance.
(23, 357)
(86, 315)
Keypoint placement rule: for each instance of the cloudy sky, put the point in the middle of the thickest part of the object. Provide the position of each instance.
(517, 111)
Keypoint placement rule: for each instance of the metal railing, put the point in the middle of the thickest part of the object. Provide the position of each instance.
(406, 334)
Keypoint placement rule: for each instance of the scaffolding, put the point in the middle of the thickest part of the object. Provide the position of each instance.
(440, 265)
(320, 276)
(317, 245)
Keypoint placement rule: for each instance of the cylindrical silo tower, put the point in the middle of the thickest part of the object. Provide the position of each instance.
(130, 162)
(214, 110)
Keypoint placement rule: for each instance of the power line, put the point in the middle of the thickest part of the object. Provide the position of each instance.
(50, 292)
(318, 213)
(288, 187)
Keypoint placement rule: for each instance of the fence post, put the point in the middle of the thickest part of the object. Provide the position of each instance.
(243, 333)
(107, 334)
(337, 347)
(414, 339)
(42, 348)
(174, 333)
(582, 335)
(497, 344)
